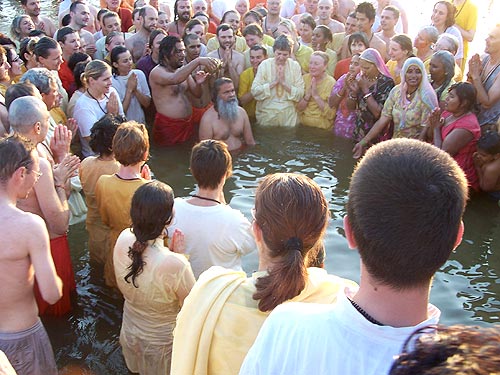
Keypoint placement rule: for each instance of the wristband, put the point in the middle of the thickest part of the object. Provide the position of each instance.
(367, 95)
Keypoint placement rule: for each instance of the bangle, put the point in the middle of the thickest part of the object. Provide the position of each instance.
(367, 95)
(362, 142)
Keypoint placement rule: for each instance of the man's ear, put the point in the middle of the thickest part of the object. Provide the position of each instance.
(348, 234)
(460, 234)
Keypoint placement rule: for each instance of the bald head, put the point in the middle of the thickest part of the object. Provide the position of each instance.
(25, 112)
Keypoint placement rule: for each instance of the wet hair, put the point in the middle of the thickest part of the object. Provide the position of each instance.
(111, 35)
(66, 20)
(192, 23)
(27, 46)
(450, 15)
(210, 163)
(43, 47)
(188, 38)
(19, 90)
(26, 111)
(367, 9)
(38, 33)
(258, 47)
(6, 41)
(323, 55)
(15, 26)
(151, 211)
(358, 36)
(62, 33)
(78, 71)
(467, 95)
(406, 228)
(154, 34)
(254, 14)
(394, 10)
(223, 27)
(292, 213)
(75, 58)
(431, 32)
(110, 14)
(448, 61)
(102, 12)
(404, 42)
(115, 56)
(15, 152)
(42, 78)
(325, 30)
(283, 43)
(459, 349)
(489, 142)
(307, 19)
(167, 46)
(94, 70)
(102, 133)
(253, 29)
(131, 143)
(226, 13)
(215, 90)
(74, 5)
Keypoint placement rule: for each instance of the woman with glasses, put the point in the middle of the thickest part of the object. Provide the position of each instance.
(225, 310)
(153, 280)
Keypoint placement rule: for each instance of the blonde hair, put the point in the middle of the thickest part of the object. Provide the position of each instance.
(94, 69)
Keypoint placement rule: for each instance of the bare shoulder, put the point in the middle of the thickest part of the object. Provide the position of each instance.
(209, 114)
(214, 53)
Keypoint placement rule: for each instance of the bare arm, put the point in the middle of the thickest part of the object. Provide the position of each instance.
(206, 131)
(49, 283)
(376, 129)
(486, 98)
(247, 129)
(162, 77)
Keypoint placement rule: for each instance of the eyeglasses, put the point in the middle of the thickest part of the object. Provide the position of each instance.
(37, 174)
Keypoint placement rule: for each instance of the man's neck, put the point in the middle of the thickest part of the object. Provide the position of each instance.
(391, 307)
(8, 198)
(388, 33)
(495, 57)
(369, 34)
(35, 19)
(273, 18)
(75, 27)
(130, 172)
(324, 22)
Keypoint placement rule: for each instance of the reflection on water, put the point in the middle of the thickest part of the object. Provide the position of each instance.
(466, 290)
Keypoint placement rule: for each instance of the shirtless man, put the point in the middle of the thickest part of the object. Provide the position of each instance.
(136, 44)
(80, 18)
(175, 118)
(182, 14)
(226, 121)
(388, 20)
(325, 17)
(32, 9)
(193, 46)
(233, 62)
(28, 116)
(22, 335)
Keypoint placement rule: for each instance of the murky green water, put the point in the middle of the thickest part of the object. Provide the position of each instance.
(467, 289)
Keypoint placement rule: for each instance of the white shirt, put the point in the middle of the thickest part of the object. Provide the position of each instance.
(135, 111)
(314, 339)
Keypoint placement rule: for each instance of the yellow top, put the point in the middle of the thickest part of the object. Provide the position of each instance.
(246, 80)
(313, 115)
(466, 18)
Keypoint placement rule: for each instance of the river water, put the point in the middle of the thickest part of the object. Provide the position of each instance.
(467, 288)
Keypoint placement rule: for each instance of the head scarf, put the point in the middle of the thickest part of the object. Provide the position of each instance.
(425, 90)
(373, 56)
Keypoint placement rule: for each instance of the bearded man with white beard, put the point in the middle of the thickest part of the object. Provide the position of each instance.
(226, 121)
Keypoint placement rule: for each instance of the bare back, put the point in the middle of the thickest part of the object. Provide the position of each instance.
(23, 234)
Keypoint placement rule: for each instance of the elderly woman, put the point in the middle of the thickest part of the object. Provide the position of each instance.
(313, 107)
(369, 92)
(424, 42)
(225, 310)
(408, 106)
(400, 48)
(278, 86)
(442, 70)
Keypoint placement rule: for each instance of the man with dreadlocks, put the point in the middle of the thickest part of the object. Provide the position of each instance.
(170, 80)
(183, 10)
(226, 121)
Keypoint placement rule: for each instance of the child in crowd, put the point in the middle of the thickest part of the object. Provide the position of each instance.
(487, 163)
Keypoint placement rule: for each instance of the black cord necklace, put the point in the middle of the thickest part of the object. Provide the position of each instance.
(367, 316)
(99, 104)
(206, 199)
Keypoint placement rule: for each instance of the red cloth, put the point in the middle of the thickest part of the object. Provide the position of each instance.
(341, 68)
(170, 131)
(59, 248)
(67, 78)
(464, 156)
(126, 17)
(212, 27)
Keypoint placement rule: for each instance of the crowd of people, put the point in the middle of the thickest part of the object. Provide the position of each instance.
(81, 99)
